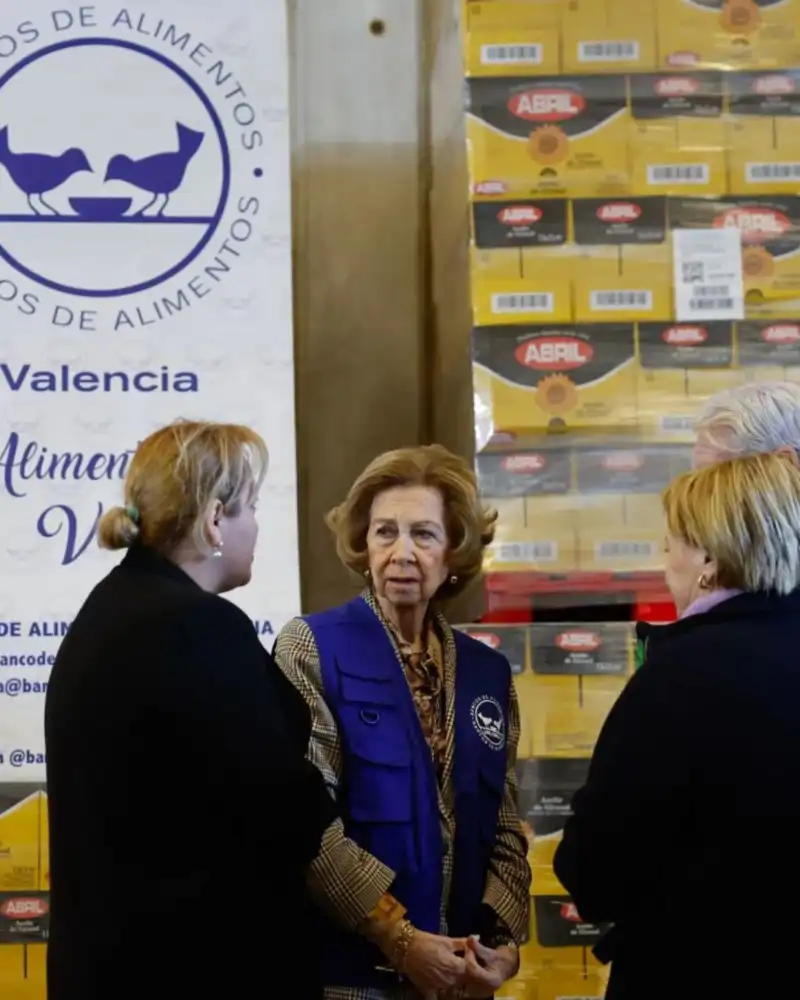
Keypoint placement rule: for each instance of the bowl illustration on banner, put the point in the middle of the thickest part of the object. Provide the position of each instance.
(114, 168)
(100, 209)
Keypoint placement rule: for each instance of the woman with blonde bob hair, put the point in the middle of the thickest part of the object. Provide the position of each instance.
(415, 729)
(173, 744)
(689, 822)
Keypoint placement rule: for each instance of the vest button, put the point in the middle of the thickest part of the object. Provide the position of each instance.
(370, 716)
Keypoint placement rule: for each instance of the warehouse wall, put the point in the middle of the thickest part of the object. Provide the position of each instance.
(359, 269)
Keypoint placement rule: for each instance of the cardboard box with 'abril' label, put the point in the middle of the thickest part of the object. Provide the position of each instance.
(763, 134)
(769, 350)
(620, 489)
(579, 672)
(529, 489)
(520, 269)
(546, 786)
(556, 378)
(559, 950)
(561, 136)
(680, 366)
(678, 137)
(769, 228)
(512, 642)
(624, 266)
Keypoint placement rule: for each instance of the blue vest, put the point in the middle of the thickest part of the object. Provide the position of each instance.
(388, 795)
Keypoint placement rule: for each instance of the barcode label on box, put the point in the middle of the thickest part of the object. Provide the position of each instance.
(525, 552)
(607, 51)
(756, 172)
(625, 550)
(711, 305)
(710, 291)
(677, 422)
(685, 173)
(641, 300)
(538, 302)
(709, 284)
(509, 55)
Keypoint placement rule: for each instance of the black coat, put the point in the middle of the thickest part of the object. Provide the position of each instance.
(183, 813)
(686, 836)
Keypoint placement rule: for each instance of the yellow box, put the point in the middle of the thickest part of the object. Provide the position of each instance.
(680, 365)
(36, 968)
(769, 350)
(607, 36)
(728, 34)
(560, 941)
(579, 671)
(12, 968)
(624, 270)
(44, 844)
(510, 640)
(770, 234)
(525, 686)
(628, 548)
(549, 136)
(504, 37)
(545, 543)
(678, 134)
(546, 786)
(625, 483)
(534, 379)
(568, 713)
(518, 272)
(572, 983)
(764, 132)
(19, 841)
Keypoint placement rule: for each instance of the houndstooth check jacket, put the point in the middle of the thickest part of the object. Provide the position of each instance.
(346, 881)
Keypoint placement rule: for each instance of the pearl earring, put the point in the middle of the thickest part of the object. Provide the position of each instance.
(218, 550)
(453, 581)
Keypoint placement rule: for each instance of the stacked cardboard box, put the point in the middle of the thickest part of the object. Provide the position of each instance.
(594, 131)
(567, 677)
(24, 892)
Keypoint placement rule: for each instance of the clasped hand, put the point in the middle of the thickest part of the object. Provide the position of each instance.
(447, 967)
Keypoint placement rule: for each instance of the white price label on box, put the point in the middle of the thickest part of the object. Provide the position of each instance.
(708, 274)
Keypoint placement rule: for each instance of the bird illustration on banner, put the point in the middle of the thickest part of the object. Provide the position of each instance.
(160, 175)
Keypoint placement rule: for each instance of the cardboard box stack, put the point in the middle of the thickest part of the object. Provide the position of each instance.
(595, 131)
(567, 676)
(24, 895)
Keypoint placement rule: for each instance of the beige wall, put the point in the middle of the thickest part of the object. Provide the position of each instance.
(371, 374)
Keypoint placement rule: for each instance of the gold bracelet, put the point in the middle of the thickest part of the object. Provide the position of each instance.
(402, 944)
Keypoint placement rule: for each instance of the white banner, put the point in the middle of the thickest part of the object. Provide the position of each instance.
(145, 275)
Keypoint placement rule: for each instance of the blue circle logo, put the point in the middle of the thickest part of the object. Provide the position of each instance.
(117, 171)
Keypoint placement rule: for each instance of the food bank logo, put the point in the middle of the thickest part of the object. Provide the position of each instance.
(123, 162)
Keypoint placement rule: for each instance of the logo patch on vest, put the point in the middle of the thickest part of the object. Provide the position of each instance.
(487, 717)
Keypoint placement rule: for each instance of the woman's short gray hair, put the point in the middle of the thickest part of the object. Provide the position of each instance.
(752, 419)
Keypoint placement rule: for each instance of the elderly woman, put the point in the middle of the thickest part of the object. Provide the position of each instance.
(685, 836)
(415, 729)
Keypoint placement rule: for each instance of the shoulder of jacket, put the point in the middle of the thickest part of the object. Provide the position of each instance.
(210, 611)
(474, 647)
